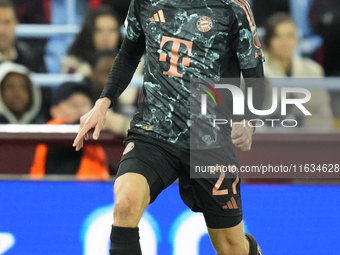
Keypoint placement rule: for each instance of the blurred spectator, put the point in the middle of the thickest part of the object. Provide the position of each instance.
(100, 71)
(263, 9)
(325, 21)
(20, 99)
(34, 12)
(101, 67)
(12, 49)
(118, 118)
(100, 31)
(69, 102)
(280, 41)
(121, 6)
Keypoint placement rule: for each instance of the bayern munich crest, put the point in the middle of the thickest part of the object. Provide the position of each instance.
(128, 148)
(204, 24)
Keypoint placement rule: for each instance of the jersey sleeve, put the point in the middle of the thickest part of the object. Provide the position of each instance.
(128, 57)
(244, 38)
(132, 23)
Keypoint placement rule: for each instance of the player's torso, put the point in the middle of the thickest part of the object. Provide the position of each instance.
(184, 39)
(187, 38)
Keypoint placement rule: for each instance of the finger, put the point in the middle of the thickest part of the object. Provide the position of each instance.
(249, 146)
(82, 122)
(80, 136)
(246, 146)
(236, 135)
(80, 145)
(76, 141)
(86, 137)
(236, 132)
(243, 145)
(84, 127)
(239, 141)
(233, 131)
(245, 149)
(97, 130)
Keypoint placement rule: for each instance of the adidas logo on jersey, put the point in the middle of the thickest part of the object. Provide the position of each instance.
(158, 17)
(231, 204)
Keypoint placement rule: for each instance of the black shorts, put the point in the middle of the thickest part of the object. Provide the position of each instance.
(161, 163)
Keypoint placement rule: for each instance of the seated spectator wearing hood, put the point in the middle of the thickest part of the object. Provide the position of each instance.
(20, 99)
(280, 41)
(69, 102)
(12, 49)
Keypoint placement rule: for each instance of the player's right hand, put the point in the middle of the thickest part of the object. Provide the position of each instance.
(93, 119)
(242, 136)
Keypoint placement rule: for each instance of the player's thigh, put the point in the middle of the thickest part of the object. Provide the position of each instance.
(137, 184)
(225, 238)
(149, 164)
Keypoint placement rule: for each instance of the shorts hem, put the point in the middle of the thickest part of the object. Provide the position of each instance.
(217, 221)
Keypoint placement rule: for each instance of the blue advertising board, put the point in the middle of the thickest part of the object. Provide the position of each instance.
(63, 218)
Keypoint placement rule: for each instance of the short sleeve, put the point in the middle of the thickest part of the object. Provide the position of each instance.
(132, 22)
(244, 38)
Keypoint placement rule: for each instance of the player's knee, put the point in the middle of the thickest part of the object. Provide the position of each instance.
(128, 205)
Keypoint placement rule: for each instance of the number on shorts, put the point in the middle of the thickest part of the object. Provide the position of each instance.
(216, 189)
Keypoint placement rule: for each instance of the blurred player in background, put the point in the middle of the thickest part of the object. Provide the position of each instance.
(182, 40)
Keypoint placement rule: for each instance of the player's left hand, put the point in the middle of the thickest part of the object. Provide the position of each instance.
(242, 135)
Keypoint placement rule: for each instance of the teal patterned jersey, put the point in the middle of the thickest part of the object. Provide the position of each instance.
(185, 39)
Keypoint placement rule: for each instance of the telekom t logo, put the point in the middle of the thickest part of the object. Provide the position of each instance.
(176, 43)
